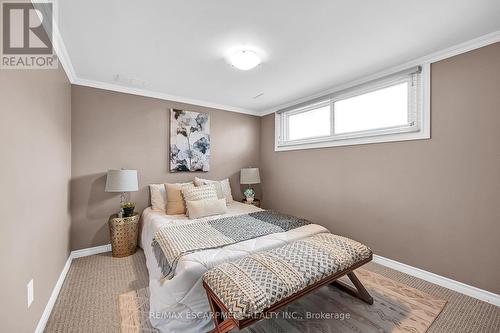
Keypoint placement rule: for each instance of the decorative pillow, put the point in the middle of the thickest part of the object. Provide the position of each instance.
(158, 197)
(217, 186)
(225, 187)
(205, 207)
(203, 192)
(175, 200)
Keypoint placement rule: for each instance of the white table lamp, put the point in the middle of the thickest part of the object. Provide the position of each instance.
(121, 181)
(249, 176)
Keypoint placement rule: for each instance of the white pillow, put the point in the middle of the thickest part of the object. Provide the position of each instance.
(199, 192)
(205, 207)
(225, 187)
(158, 196)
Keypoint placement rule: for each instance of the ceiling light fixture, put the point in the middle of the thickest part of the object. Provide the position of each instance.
(244, 59)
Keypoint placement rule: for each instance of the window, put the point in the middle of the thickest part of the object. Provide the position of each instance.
(311, 123)
(393, 108)
(386, 107)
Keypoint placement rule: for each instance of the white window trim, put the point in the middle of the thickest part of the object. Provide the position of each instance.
(420, 130)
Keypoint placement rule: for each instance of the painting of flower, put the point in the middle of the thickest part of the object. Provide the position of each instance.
(189, 141)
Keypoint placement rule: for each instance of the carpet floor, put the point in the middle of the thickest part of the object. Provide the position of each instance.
(396, 308)
(88, 301)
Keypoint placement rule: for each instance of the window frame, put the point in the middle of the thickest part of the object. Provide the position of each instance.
(418, 111)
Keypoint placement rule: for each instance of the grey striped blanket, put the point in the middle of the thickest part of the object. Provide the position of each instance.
(170, 243)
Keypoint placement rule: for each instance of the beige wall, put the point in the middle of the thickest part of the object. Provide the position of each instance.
(35, 167)
(114, 130)
(433, 204)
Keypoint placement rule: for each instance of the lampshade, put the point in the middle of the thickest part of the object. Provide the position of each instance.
(249, 176)
(121, 181)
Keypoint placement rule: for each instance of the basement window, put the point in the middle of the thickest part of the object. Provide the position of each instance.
(391, 108)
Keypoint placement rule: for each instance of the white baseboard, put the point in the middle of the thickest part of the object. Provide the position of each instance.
(53, 297)
(442, 281)
(55, 292)
(90, 251)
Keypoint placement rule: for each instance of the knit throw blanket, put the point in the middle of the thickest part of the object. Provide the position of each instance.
(170, 243)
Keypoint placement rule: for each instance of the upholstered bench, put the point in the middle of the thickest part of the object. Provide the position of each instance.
(241, 292)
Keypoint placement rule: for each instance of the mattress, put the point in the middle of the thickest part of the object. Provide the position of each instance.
(180, 303)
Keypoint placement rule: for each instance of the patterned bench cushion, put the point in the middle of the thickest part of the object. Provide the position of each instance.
(251, 284)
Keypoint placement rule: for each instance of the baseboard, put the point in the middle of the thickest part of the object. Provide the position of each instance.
(53, 297)
(55, 292)
(90, 251)
(442, 281)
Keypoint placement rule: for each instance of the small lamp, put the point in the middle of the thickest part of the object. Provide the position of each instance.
(121, 181)
(249, 176)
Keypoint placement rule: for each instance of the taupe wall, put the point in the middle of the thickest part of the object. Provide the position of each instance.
(433, 204)
(35, 168)
(114, 130)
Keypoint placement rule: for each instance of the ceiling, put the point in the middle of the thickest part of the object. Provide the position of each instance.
(180, 48)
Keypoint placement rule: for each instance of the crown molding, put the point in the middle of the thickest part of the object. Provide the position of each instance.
(449, 52)
(67, 65)
(159, 95)
(62, 54)
(65, 61)
(57, 40)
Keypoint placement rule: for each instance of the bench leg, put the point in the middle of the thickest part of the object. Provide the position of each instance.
(221, 325)
(360, 291)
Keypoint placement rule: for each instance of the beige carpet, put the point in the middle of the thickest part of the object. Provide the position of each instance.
(88, 301)
(396, 308)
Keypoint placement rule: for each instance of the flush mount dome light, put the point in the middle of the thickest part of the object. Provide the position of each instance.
(244, 59)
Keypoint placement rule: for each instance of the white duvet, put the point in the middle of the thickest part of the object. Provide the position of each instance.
(180, 304)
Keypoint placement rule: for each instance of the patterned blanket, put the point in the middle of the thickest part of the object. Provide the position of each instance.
(170, 243)
(252, 284)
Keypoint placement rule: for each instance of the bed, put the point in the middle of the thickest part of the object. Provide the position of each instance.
(180, 304)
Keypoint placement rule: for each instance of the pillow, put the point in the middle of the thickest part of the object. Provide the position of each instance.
(217, 186)
(205, 207)
(158, 196)
(175, 201)
(225, 187)
(199, 193)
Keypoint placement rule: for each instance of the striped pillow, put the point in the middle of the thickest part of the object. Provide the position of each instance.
(199, 192)
(223, 187)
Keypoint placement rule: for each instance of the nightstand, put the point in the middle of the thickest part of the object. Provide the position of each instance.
(255, 202)
(123, 232)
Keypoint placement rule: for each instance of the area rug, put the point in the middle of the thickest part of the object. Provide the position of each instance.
(396, 308)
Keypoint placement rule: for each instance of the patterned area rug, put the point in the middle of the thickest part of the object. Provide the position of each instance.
(396, 308)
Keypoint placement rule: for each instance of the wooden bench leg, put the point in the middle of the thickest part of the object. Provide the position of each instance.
(221, 325)
(360, 291)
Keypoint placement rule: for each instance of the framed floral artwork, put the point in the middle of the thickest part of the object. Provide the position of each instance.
(189, 141)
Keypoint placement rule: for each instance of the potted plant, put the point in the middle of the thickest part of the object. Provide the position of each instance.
(249, 194)
(128, 209)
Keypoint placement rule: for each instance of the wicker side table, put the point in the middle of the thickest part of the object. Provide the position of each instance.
(123, 233)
